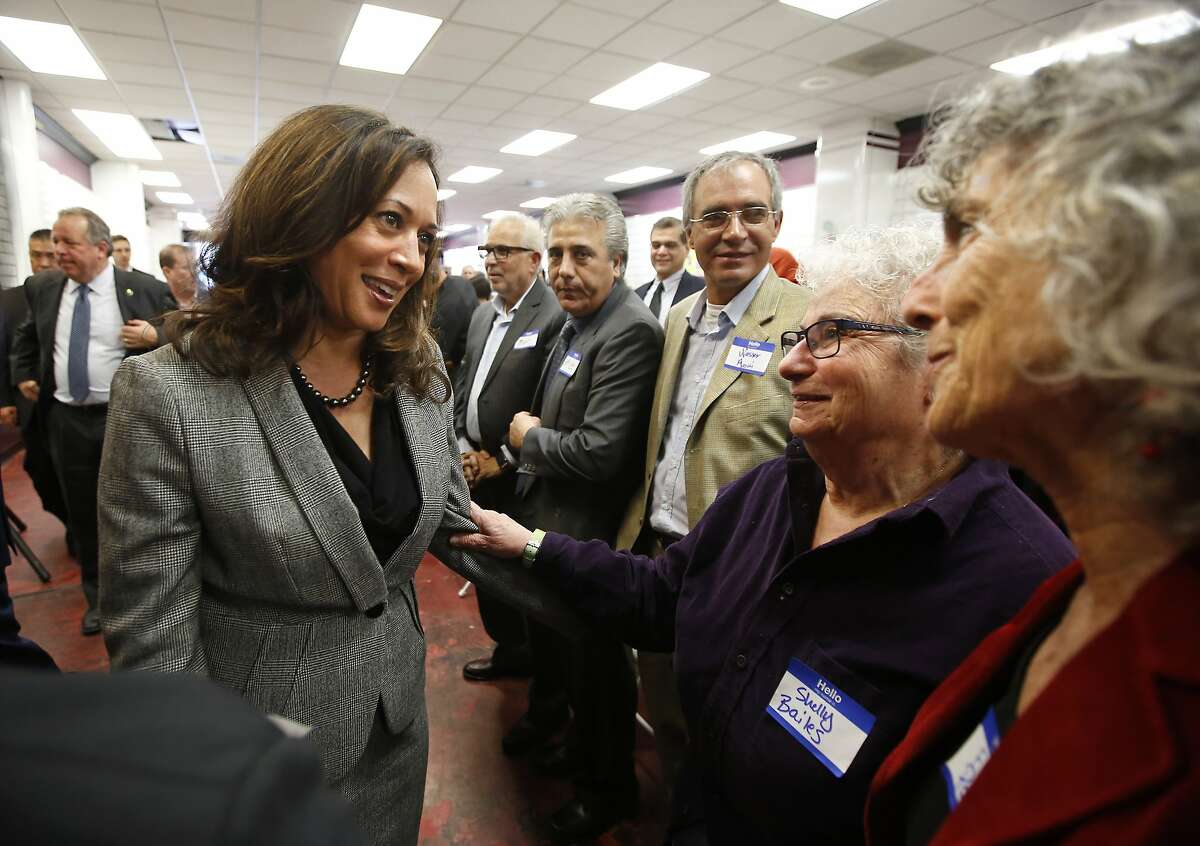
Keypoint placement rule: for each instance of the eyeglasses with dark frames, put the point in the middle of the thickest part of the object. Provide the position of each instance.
(715, 221)
(502, 251)
(824, 338)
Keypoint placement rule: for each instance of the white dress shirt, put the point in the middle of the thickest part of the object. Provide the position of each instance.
(500, 324)
(105, 350)
(669, 285)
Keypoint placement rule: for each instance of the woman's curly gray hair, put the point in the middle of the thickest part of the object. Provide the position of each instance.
(879, 263)
(1104, 187)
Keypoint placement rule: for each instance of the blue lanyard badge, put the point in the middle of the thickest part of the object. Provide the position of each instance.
(823, 718)
(570, 364)
(749, 356)
(963, 767)
(526, 340)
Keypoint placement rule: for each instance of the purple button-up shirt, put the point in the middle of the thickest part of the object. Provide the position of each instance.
(884, 612)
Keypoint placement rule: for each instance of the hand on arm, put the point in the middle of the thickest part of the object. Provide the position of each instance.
(499, 535)
(29, 389)
(139, 335)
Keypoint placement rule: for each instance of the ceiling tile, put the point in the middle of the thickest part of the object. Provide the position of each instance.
(546, 106)
(718, 89)
(637, 124)
(402, 110)
(357, 98)
(240, 103)
(773, 26)
(1073, 23)
(489, 98)
(632, 8)
(705, 16)
(608, 68)
(651, 41)
(572, 88)
(124, 48)
(34, 10)
(675, 107)
(1001, 47)
(235, 9)
(547, 56)
(327, 17)
(581, 25)
(730, 114)
(770, 68)
(199, 57)
(767, 99)
(714, 56)
(202, 29)
(520, 120)
(512, 17)
(296, 71)
(436, 90)
(455, 39)
(1031, 11)
(289, 91)
(101, 15)
(933, 69)
(957, 30)
(830, 43)
(516, 79)
(161, 95)
(893, 18)
(368, 82)
(300, 45)
(134, 72)
(100, 88)
(449, 67)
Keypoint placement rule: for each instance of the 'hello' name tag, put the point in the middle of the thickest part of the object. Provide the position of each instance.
(826, 721)
(749, 356)
(963, 767)
(570, 364)
(526, 340)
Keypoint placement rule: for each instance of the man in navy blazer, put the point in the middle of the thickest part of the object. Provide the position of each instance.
(668, 252)
(83, 320)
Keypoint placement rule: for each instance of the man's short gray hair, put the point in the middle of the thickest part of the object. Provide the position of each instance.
(604, 210)
(531, 231)
(881, 264)
(1103, 183)
(97, 229)
(725, 161)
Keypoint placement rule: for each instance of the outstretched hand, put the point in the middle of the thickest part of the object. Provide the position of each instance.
(499, 535)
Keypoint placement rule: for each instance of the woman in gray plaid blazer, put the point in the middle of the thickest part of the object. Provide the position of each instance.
(273, 478)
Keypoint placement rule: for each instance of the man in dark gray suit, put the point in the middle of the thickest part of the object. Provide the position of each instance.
(83, 321)
(507, 344)
(579, 462)
(668, 252)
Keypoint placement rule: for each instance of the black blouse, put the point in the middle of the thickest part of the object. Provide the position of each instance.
(385, 490)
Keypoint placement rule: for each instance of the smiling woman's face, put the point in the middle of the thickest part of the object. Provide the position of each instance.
(981, 301)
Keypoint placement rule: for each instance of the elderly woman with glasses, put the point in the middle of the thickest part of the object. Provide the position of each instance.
(1064, 315)
(825, 593)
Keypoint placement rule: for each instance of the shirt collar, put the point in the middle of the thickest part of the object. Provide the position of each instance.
(735, 309)
(105, 279)
(498, 304)
(672, 281)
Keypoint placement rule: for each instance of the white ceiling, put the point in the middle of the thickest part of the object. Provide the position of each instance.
(498, 68)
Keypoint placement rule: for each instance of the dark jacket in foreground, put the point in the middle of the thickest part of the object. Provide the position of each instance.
(883, 613)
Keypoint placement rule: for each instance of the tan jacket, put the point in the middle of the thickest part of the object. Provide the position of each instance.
(743, 419)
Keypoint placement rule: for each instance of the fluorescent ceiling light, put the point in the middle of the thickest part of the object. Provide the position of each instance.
(537, 142)
(193, 220)
(637, 174)
(829, 8)
(123, 134)
(751, 143)
(445, 193)
(175, 198)
(387, 40)
(454, 227)
(492, 215)
(474, 173)
(657, 82)
(538, 202)
(49, 48)
(159, 179)
(1145, 31)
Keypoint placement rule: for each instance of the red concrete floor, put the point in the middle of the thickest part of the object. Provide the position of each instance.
(474, 795)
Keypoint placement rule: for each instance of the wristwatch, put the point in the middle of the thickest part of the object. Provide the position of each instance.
(504, 458)
(532, 547)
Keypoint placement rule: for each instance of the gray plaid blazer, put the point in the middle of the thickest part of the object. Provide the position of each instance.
(230, 548)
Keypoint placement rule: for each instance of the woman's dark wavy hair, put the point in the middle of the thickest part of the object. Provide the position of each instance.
(309, 184)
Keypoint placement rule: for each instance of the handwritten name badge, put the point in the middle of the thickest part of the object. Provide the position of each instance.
(825, 720)
(570, 364)
(526, 340)
(749, 356)
(963, 767)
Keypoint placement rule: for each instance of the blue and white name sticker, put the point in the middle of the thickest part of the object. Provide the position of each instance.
(570, 364)
(526, 340)
(749, 356)
(823, 718)
(963, 767)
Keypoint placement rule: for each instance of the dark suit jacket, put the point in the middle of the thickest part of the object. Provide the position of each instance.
(510, 383)
(452, 311)
(153, 759)
(587, 454)
(1107, 753)
(14, 308)
(688, 285)
(139, 297)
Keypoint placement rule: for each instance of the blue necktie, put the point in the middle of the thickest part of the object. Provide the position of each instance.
(77, 353)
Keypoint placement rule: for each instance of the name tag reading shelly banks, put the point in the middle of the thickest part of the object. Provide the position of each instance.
(826, 721)
(749, 356)
(963, 767)
(570, 364)
(526, 340)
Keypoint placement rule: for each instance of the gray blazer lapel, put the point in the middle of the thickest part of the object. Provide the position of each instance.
(315, 483)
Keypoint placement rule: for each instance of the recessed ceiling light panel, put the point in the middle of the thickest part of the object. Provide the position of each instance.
(637, 174)
(454, 227)
(538, 142)
(49, 48)
(445, 193)
(175, 198)
(473, 174)
(123, 134)
(657, 82)
(387, 40)
(538, 202)
(829, 8)
(492, 215)
(750, 143)
(159, 179)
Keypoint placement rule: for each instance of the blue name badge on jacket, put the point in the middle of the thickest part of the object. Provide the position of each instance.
(570, 364)
(527, 340)
(825, 720)
(963, 767)
(749, 356)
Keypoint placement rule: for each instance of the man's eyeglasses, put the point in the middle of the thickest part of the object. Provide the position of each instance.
(502, 251)
(824, 338)
(715, 221)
